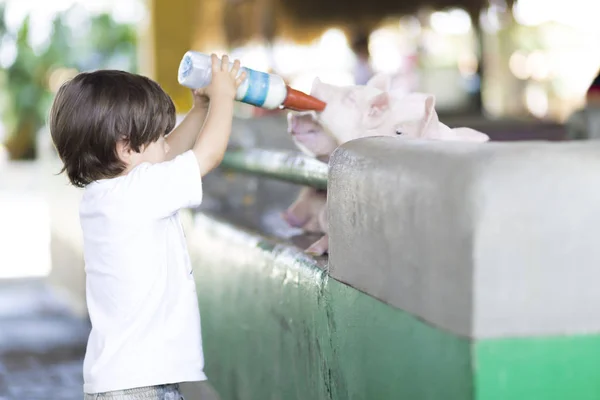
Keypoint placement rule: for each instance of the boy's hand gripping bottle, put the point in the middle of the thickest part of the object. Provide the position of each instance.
(259, 89)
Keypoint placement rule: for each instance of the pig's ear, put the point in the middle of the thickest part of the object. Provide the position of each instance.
(377, 108)
(430, 119)
(380, 81)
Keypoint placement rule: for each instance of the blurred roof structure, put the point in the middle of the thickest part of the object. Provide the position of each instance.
(327, 10)
(305, 19)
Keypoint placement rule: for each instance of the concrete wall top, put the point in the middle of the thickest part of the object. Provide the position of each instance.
(484, 240)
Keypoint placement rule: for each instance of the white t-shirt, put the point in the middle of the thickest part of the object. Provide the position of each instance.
(140, 289)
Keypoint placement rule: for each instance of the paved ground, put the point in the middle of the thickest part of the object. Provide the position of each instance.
(41, 344)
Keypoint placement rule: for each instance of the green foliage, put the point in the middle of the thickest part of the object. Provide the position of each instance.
(25, 94)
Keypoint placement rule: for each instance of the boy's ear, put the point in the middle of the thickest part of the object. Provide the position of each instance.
(124, 151)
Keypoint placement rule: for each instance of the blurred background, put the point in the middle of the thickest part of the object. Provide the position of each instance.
(515, 69)
(521, 59)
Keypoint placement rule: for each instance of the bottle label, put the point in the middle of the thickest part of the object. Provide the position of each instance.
(258, 87)
(185, 67)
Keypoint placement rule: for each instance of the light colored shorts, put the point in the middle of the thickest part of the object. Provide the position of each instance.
(159, 392)
(197, 390)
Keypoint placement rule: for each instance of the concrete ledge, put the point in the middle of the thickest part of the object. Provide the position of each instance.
(489, 240)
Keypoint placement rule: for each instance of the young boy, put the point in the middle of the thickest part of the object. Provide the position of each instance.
(110, 130)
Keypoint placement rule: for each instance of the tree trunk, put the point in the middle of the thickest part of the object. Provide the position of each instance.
(21, 144)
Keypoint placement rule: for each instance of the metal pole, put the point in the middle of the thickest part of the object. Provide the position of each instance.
(284, 166)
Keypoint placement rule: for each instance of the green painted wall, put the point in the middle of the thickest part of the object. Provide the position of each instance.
(555, 368)
(276, 327)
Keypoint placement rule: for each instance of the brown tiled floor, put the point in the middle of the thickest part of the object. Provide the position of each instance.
(41, 344)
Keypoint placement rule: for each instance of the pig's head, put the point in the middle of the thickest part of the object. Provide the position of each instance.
(310, 136)
(314, 138)
(381, 108)
(352, 111)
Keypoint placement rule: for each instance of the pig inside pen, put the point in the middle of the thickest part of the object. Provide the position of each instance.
(383, 107)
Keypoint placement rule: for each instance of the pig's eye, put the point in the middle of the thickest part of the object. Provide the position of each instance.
(398, 132)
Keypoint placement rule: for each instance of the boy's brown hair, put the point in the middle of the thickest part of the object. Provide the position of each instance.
(95, 110)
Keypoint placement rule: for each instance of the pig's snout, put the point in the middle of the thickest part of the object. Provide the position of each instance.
(302, 124)
(298, 123)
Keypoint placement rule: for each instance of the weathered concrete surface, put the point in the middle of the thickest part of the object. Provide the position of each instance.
(488, 240)
(275, 326)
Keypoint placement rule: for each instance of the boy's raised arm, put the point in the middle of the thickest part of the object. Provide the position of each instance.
(183, 137)
(211, 144)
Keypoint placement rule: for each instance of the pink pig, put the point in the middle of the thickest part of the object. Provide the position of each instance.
(308, 211)
(381, 108)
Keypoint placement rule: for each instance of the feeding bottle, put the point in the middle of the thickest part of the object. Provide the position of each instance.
(259, 88)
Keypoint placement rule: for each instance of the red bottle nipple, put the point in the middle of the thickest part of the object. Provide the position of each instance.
(299, 101)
